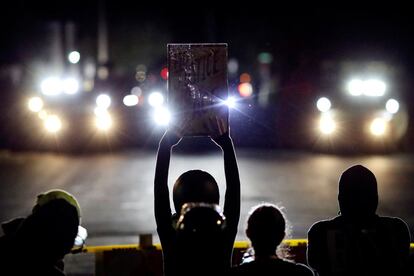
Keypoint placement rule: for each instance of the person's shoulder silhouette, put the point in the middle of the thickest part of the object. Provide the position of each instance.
(37, 244)
(266, 229)
(358, 241)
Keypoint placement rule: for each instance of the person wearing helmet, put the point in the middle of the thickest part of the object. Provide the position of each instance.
(37, 244)
(181, 257)
(358, 241)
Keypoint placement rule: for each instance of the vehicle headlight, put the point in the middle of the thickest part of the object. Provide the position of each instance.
(327, 124)
(103, 121)
(35, 104)
(130, 100)
(378, 127)
(103, 101)
(156, 99)
(323, 104)
(162, 116)
(53, 123)
(392, 106)
(70, 86)
(51, 86)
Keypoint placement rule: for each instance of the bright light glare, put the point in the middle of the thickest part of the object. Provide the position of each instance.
(70, 86)
(74, 57)
(130, 100)
(162, 116)
(51, 86)
(327, 124)
(323, 104)
(43, 115)
(53, 123)
(35, 104)
(100, 111)
(103, 101)
(356, 87)
(245, 89)
(392, 106)
(375, 88)
(230, 102)
(156, 99)
(371, 87)
(378, 126)
(103, 122)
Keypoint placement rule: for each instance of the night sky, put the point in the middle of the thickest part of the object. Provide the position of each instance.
(342, 31)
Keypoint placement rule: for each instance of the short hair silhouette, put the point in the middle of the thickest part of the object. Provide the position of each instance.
(266, 228)
(195, 186)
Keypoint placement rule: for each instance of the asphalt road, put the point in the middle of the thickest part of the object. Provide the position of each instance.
(116, 194)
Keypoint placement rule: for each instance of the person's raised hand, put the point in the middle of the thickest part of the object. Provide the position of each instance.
(218, 130)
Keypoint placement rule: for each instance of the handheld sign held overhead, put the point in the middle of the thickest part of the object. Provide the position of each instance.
(197, 86)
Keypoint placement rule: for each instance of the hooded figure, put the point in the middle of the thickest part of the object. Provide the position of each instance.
(358, 193)
(37, 244)
(358, 241)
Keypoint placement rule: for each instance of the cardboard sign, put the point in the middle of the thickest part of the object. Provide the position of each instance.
(197, 86)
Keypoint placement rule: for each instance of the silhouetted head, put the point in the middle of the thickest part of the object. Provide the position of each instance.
(52, 227)
(358, 194)
(266, 228)
(195, 186)
(201, 219)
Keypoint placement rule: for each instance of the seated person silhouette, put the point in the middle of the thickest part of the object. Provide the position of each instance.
(37, 244)
(358, 241)
(266, 229)
(202, 256)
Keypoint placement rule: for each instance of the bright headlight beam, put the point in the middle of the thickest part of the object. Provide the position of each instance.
(230, 102)
(103, 101)
(392, 106)
(53, 123)
(162, 116)
(374, 88)
(323, 104)
(369, 87)
(327, 125)
(70, 86)
(51, 86)
(156, 99)
(103, 122)
(378, 127)
(35, 104)
(74, 57)
(130, 100)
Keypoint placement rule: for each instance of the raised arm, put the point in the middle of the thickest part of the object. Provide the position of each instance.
(232, 197)
(162, 208)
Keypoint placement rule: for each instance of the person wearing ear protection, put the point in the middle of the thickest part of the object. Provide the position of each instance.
(37, 244)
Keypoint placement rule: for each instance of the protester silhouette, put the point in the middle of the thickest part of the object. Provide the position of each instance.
(201, 256)
(37, 244)
(358, 241)
(266, 229)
